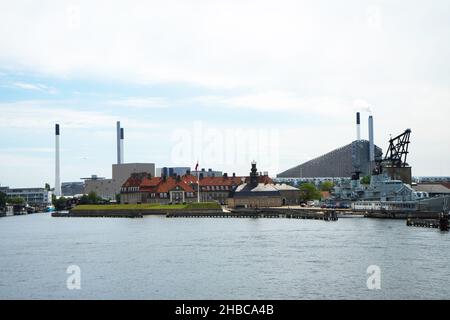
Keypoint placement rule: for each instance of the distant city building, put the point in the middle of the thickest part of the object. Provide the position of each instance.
(339, 163)
(171, 171)
(32, 196)
(109, 188)
(430, 179)
(69, 189)
(209, 173)
(315, 181)
(433, 189)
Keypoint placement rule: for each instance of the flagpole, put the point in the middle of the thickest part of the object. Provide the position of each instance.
(198, 188)
(198, 183)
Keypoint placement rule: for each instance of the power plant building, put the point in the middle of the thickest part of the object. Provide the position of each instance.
(355, 159)
(339, 163)
(109, 188)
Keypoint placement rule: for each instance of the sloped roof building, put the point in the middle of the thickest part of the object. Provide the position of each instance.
(256, 194)
(142, 188)
(339, 163)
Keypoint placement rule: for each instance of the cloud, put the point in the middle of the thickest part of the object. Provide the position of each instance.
(140, 103)
(43, 114)
(34, 150)
(288, 57)
(32, 86)
(251, 43)
(282, 101)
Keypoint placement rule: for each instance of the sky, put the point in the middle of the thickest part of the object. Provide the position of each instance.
(218, 82)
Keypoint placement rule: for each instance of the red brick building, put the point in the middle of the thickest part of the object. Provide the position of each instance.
(141, 188)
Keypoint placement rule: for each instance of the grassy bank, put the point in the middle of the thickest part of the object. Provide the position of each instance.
(148, 206)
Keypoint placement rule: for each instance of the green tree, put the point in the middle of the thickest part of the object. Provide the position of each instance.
(84, 199)
(60, 204)
(93, 198)
(365, 180)
(47, 187)
(2, 199)
(308, 191)
(118, 198)
(326, 186)
(16, 200)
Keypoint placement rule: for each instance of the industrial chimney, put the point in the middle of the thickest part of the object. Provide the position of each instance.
(358, 126)
(121, 146)
(371, 142)
(57, 176)
(118, 143)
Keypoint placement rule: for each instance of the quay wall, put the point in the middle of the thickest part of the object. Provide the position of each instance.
(131, 213)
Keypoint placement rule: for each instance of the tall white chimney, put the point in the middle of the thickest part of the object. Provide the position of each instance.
(371, 142)
(57, 173)
(118, 143)
(358, 126)
(121, 146)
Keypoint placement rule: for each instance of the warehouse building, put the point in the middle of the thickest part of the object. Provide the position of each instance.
(32, 196)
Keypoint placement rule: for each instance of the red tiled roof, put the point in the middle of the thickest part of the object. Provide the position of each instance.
(153, 182)
(170, 184)
(159, 184)
(156, 184)
(446, 184)
(220, 181)
(261, 179)
(325, 194)
(189, 178)
(135, 180)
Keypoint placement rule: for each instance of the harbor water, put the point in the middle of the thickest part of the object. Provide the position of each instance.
(181, 258)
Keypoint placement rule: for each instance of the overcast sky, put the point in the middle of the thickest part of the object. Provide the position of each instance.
(194, 79)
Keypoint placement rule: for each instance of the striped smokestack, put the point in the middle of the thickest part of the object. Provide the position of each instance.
(121, 146)
(358, 126)
(118, 143)
(57, 163)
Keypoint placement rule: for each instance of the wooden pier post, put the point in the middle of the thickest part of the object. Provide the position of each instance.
(443, 222)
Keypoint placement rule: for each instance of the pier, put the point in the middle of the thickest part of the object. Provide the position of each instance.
(442, 223)
(97, 214)
(271, 213)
